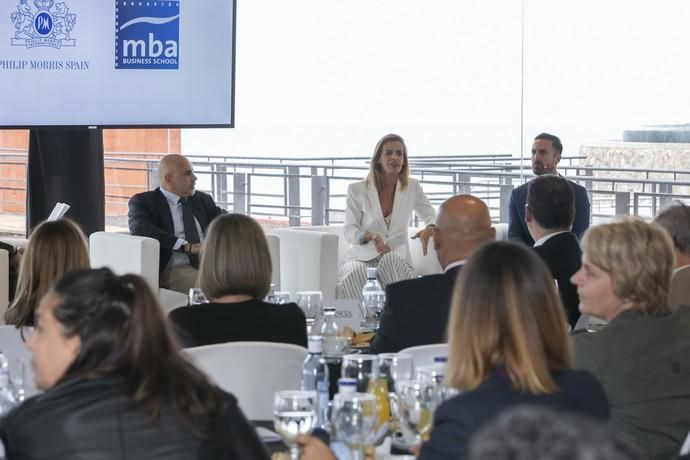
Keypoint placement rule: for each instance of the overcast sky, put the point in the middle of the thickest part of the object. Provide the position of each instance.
(330, 77)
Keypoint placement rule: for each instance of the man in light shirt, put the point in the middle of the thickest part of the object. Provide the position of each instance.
(177, 216)
(549, 216)
(416, 310)
(676, 221)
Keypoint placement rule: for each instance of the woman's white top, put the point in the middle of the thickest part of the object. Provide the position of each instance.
(363, 214)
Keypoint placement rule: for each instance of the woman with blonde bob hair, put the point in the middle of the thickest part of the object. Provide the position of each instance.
(235, 275)
(377, 214)
(507, 345)
(642, 357)
(54, 248)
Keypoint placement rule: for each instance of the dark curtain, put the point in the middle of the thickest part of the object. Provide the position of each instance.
(66, 165)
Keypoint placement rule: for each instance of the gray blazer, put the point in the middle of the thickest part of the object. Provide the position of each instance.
(643, 362)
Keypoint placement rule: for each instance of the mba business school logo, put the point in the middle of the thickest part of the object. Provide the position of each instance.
(147, 34)
(46, 23)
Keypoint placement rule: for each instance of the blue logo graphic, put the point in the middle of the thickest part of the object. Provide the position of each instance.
(45, 24)
(147, 34)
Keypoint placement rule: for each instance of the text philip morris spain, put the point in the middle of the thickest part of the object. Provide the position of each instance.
(34, 64)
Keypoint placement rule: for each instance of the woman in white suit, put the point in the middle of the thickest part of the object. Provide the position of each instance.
(377, 216)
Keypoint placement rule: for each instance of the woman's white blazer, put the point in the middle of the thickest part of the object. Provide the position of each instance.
(363, 214)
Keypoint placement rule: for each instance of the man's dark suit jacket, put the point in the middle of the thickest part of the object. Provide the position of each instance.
(517, 228)
(457, 419)
(562, 255)
(416, 312)
(149, 215)
(253, 320)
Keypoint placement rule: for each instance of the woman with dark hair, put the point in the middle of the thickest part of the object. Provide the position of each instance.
(115, 383)
(377, 215)
(507, 345)
(54, 248)
(235, 275)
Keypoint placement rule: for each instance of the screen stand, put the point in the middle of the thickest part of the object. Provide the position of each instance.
(66, 165)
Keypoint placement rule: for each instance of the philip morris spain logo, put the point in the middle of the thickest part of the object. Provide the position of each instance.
(147, 34)
(45, 24)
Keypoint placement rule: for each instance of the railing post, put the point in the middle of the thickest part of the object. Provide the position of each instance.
(665, 201)
(622, 203)
(221, 181)
(293, 196)
(504, 200)
(462, 183)
(239, 193)
(319, 199)
(589, 184)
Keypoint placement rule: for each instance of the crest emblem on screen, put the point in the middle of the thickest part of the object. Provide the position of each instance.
(46, 23)
(147, 34)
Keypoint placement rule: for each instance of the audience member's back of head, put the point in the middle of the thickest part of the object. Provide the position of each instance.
(527, 433)
(506, 312)
(235, 258)
(123, 333)
(551, 201)
(676, 221)
(54, 248)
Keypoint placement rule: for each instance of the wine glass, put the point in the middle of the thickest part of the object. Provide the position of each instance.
(310, 302)
(294, 413)
(394, 367)
(281, 297)
(196, 297)
(362, 367)
(353, 420)
(416, 402)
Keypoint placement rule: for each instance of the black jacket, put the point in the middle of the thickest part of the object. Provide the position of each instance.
(95, 420)
(149, 215)
(457, 419)
(416, 312)
(253, 320)
(563, 255)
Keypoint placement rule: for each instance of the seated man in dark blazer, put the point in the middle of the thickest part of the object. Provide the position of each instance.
(676, 221)
(546, 153)
(177, 216)
(549, 216)
(416, 310)
(15, 258)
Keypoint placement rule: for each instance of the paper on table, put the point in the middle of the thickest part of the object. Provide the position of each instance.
(267, 435)
(58, 211)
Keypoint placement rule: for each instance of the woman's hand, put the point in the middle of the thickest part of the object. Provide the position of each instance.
(379, 243)
(424, 235)
(312, 448)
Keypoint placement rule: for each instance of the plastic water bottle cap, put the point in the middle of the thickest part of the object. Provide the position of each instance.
(371, 273)
(347, 385)
(440, 359)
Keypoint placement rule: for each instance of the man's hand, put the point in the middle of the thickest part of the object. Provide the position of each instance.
(424, 236)
(192, 248)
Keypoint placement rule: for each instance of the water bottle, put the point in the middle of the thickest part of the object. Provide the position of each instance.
(315, 377)
(330, 333)
(7, 399)
(373, 297)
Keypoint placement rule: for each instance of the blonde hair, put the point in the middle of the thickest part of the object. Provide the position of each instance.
(638, 257)
(54, 248)
(375, 175)
(505, 313)
(235, 259)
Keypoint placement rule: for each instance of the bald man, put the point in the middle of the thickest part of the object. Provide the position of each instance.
(416, 310)
(177, 216)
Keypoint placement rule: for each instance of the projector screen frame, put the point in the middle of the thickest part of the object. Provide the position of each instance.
(154, 126)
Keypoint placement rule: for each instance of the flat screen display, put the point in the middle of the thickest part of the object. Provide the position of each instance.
(115, 63)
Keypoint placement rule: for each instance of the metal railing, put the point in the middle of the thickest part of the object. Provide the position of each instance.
(312, 191)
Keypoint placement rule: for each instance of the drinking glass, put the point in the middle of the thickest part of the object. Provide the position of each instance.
(353, 420)
(17, 376)
(196, 297)
(363, 368)
(294, 413)
(416, 402)
(394, 367)
(280, 297)
(310, 302)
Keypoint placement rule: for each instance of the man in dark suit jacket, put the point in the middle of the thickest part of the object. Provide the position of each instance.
(416, 310)
(676, 221)
(546, 153)
(15, 258)
(549, 216)
(177, 216)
